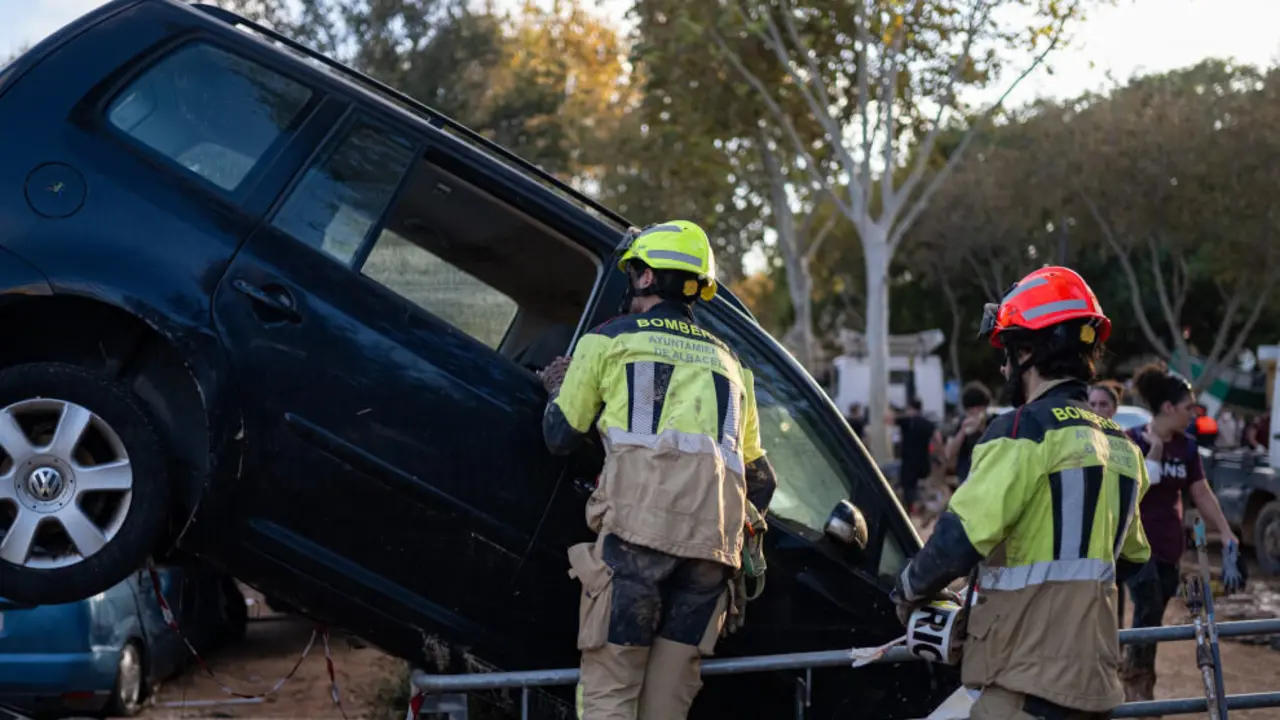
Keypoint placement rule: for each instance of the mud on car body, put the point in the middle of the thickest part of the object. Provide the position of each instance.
(266, 311)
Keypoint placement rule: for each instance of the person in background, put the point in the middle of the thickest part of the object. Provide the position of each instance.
(1229, 431)
(1173, 465)
(976, 401)
(917, 433)
(1104, 400)
(1256, 433)
(857, 421)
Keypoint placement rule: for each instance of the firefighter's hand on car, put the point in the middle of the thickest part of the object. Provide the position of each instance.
(553, 374)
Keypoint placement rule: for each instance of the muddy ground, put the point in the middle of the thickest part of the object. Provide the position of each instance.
(366, 676)
(272, 646)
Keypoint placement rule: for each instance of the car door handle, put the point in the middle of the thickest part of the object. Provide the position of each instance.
(279, 301)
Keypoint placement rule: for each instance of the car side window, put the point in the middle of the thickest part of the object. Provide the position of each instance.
(346, 190)
(419, 276)
(424, 242)
(213, 113)
(810, 479)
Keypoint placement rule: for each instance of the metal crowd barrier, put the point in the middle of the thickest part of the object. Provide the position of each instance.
(807, 661)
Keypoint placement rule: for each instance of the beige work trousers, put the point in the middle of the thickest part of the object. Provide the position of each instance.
(640, 683)
(996, 703)
(641, 655)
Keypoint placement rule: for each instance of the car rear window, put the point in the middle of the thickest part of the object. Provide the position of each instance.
(213, 113)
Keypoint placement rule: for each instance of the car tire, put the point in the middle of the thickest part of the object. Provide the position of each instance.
(130, 690)
(126, 524)
(1266, 538)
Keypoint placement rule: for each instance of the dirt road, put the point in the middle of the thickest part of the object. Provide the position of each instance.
(270, 649)
(273, 645)
(1246, 668)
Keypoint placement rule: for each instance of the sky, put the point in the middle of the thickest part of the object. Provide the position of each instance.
(1135, 36)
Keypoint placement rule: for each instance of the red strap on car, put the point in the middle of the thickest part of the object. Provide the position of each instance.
(172, 621)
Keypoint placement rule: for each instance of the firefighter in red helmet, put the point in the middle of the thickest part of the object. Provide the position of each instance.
(1046, 521)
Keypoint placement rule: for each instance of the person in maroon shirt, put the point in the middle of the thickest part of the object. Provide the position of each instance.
(1173, 464)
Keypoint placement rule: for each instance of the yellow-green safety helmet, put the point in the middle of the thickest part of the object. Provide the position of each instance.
(673, 245)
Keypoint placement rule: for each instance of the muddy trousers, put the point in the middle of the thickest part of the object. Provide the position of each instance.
(996, 703)
(662, 609)
(1150, 591)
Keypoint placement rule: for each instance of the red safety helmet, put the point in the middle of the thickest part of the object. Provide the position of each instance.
(1047, 297)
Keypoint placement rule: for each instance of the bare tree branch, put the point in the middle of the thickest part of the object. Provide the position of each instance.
(935, 129)
(862, 40)
(821, 111)
(940, 177)
(953, 350)
(1162, 294)
(1227, 321)
(1184, 273)
(1135, 288)
(816, 243)
(888, 99)
(1247, 328)
(811, 165)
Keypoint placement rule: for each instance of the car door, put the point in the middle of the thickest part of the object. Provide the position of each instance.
(395, 458)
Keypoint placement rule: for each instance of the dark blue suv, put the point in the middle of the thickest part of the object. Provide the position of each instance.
(261, 309)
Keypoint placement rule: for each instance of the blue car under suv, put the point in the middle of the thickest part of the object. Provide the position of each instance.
(104, 654)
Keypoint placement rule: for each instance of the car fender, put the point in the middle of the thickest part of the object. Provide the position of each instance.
(203, 358)
(19, 277)
(113, 622)
(206, 362)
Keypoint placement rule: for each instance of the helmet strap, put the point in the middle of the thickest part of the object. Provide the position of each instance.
(632, 292)
(1015, 387)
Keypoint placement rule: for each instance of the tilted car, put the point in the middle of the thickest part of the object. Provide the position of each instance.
(264, 310)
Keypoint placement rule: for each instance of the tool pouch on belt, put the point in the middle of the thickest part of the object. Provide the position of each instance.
(586, 563)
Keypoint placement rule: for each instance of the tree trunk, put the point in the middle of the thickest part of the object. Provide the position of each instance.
(799, 277)
(874, 244)
(953, 346)
(800, 287)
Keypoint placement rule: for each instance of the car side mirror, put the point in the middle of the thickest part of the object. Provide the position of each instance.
(847, 525)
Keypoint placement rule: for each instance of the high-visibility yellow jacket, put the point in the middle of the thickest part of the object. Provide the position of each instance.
(1049, 511)
(677, 414)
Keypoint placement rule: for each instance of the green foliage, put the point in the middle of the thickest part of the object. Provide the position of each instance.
(549, 83)
(1158, 192)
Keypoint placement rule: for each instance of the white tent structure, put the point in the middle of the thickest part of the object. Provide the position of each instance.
(911, 362)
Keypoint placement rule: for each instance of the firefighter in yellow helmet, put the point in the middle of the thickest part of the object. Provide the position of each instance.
(1047, 516)
(683, 476)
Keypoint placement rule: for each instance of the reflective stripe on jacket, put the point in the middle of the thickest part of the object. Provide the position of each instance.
(1051, 503)
(677, 413)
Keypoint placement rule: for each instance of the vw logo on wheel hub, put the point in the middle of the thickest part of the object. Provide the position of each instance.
(45, 483)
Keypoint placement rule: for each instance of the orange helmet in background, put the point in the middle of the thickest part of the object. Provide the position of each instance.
(1047, 297)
